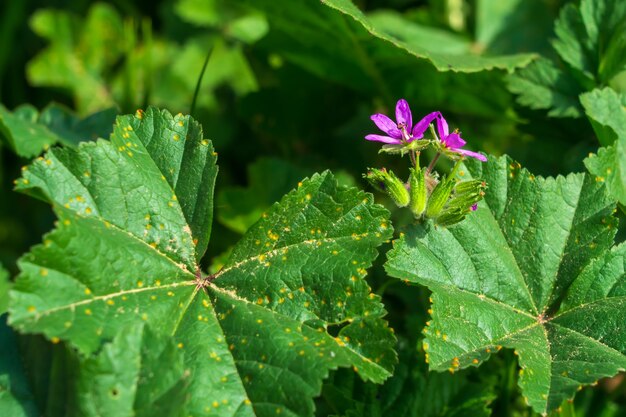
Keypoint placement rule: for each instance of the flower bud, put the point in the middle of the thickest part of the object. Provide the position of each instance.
(466, 195)
(439, 197)
(419, 196)
(387, 182)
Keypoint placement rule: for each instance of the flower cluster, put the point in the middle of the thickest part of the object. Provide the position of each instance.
(446, 200)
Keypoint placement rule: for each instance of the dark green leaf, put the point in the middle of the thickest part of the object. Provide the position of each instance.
(15, 397)
(532, 270)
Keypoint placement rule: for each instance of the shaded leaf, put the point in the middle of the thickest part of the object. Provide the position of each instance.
(29, 132)
(16, 399)
(541, 85)
(512, 275)
(5, 286)
(134, 219)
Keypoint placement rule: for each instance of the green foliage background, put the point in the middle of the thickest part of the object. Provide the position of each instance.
(288, 89)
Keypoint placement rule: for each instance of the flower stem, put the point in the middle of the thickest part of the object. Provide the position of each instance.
(432, 163)
(414, 158)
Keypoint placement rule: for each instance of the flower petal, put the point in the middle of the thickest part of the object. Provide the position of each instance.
(403, 114)
(384, 139)
(421, 126)
(387, 125)
(453, 141)
(476, 155)
(474, 207)
(442, 126)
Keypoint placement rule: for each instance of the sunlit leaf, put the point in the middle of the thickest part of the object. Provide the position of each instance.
(134, 221)
(533, 269)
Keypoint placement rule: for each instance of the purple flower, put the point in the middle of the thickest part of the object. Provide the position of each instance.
(453, 141)
(402, 130)
(474, 207)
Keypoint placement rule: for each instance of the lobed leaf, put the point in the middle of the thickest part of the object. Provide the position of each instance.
(518, 273)
(134, 221)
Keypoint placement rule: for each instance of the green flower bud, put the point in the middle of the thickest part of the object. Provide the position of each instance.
(466, 195)
(419, 196)
(439, 197)
(387, 182)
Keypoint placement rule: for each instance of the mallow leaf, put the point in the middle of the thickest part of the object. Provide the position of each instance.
(533, 269)
(259, 335)
(607, 115)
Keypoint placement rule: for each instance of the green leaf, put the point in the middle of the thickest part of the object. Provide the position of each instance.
(340, 43)
(445, 50)
(269, 179)
(29, 132)
(290, 303)
(139, 373)
(592, 37)
(541, 85)
(78, 53)
(532, 270)
(606, 113)
(16, 399)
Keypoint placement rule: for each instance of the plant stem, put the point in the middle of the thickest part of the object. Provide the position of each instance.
(432, 163)
(199, 83)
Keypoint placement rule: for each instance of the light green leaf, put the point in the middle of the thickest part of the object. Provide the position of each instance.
(269, 179)
(592, 37)
(137, 374)
(541, 85)
(78, 53)
(134, 219)
(511, 275)
(607, 115)
(29, 132)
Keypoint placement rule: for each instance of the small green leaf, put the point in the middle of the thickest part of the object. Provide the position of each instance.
(78, 53)
(29, 132)
(139, 373)
(533, 269)
(259, 335)
(607, 116)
